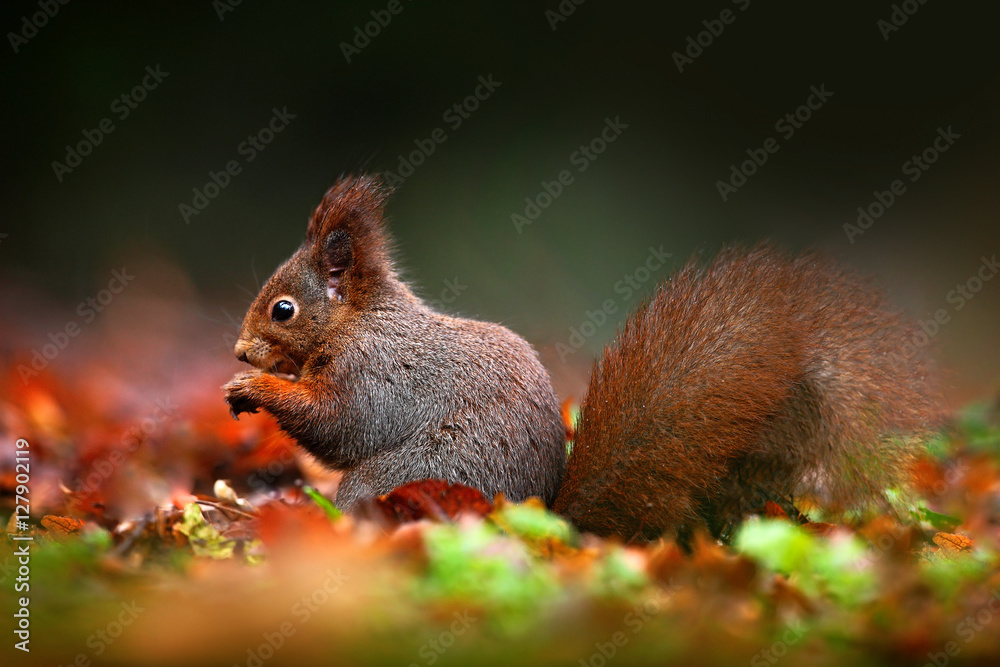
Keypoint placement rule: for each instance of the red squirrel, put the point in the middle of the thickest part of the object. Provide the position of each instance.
(757, 377)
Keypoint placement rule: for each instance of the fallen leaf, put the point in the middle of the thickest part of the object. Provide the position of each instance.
(205, 539)
(432, 499)
(773, 511)
(819, 528)
(952, 544)
(61, 526)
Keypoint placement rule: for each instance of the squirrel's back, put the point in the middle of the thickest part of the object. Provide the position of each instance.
(474, 406)
(759, 377)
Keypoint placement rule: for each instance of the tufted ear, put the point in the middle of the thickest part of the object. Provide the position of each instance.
(347, 236)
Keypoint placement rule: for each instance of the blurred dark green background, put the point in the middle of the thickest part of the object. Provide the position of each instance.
(655, 185)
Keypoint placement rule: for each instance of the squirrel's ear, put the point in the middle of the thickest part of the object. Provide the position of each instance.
(337, 255)
(348, 238)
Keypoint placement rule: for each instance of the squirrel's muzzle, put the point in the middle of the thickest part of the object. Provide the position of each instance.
(241, 350)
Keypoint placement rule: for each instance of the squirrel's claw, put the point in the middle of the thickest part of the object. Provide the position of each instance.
(236, 410)
(239, 396)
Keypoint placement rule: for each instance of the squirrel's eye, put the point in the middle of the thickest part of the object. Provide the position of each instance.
(282, 311)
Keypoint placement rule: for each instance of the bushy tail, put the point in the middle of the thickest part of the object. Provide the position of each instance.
(759, 377)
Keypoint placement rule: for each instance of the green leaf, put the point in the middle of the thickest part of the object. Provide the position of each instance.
(778, 544)
(331, 511)
(205, 539)
(941, 522)
(616, 576)
(939, 446)
(478, 565)
(978, 420)
(841, 565)
(949, 576)
(534, 523)
(836, 567)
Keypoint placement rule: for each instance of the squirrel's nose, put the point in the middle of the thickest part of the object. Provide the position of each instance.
(241, 350)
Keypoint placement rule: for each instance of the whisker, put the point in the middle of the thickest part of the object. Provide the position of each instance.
(253, 295)
(253, 270)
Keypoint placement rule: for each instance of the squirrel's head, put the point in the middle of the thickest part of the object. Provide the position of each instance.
(343, 268)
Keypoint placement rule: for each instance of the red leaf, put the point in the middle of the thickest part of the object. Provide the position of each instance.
(432, 499)
(773, 511)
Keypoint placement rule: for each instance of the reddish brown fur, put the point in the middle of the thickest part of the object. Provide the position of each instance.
(383, 387)
(355, 205)
(760, 377)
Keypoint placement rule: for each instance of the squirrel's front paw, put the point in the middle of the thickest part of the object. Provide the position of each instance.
(241, 395)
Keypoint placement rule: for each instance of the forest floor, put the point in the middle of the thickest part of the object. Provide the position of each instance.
(166, 533)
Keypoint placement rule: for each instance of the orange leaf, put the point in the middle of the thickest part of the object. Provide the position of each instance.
(281, 525)
(61, 526)
(952, 544)
(819, 529)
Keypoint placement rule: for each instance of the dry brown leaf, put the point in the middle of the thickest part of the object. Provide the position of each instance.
(665, 561)
(716, 562)
(61, 526)
(818, 528)
(788, 597)
(952, 544)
